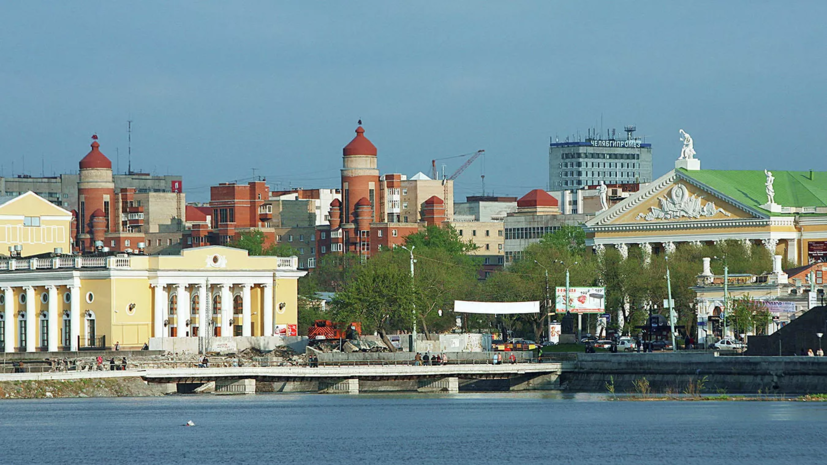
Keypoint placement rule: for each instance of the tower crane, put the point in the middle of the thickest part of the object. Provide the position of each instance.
(434, 174)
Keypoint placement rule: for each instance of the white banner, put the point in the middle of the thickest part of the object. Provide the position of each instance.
(496, 308)
(774, 306)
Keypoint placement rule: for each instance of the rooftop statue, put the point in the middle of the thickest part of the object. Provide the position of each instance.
(688, 150)
(770, 190)
(603, 190)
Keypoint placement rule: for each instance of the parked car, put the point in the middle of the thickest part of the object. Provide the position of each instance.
(660, 345)
(728, 344)
(627, 344)
(603, 344)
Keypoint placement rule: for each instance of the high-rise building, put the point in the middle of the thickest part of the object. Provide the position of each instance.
(577, 164)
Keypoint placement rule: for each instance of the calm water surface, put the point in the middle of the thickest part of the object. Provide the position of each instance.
(409, 429)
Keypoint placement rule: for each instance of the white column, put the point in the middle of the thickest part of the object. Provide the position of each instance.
(54, 317)
(74, 316)
(267, 306)
(226, 310)
(203, 323)
(158, 311)
(31, 320)
(246, 313)
(183, 310)
(10, 321)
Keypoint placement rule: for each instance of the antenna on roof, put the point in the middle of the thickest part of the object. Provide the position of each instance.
(129, 147)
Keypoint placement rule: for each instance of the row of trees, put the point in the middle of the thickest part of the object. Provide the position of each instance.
(381, 294)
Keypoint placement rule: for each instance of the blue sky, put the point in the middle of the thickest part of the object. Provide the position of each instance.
(216, 89)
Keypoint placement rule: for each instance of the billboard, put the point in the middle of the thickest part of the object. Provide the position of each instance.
(177, 187)
(776, 307)
(581, 299)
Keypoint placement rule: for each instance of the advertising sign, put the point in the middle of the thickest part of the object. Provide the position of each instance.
(554, 331)
(292, 330)
(281, 330)
(581, 299)
(177, 187)
(817, 250)
(775, 307)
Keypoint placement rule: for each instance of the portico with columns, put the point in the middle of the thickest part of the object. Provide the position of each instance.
(690, 206)
(65, 302)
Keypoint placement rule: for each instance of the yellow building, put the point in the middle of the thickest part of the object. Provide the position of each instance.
(65, 302)
(31, 225)
(786, 211)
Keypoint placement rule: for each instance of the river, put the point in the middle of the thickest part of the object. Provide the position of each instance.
(530, 428)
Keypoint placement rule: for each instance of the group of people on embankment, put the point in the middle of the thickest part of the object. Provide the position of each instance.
(427, 359)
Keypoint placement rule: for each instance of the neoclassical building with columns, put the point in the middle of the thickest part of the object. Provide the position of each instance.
(53, 302)
(786, 211)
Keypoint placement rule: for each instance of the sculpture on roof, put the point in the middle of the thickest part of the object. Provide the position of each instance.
(770, 190)
(688, 150)
(603, 190)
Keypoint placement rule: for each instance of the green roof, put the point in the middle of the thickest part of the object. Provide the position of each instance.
(792, 188)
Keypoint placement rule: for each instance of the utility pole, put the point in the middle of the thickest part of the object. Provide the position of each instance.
(413, 302)
(546, 304)
(726, 297)
(671, 304)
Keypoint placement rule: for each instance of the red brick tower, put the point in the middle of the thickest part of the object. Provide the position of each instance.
(360, 176)
(433, 211)
(335, 214)
(96, 191)
(364, 214)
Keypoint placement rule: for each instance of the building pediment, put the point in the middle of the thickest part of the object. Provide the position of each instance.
(675, 198)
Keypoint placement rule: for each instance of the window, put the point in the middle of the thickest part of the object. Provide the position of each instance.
(278, 238)
(312, 238)
(487, 246)
(169, 241)
(474, 232)
(460, 232)
(126, 243)
(324, 235)
(112, 243)
(500, 247)
(290, 238)
(311, 263)
(301, 237)
(301, 250)
(487, 233)
(379, 233)
(324, 249)
(31, 221)
(405, 192)
(90, 297)
(500, 233)
(393, 233)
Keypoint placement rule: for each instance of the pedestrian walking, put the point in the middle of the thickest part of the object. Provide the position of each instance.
(426, 359)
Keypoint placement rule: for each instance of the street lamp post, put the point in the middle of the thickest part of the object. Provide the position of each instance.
(413, 303)
(546, 305)
(579, 315)
(819, 340)
(671, 305)
(726, 294)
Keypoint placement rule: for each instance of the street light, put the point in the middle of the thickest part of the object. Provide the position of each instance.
(726, 292)
(413, 303)
(671, 304)
(819, 339)
(547, 297)
(579, 315)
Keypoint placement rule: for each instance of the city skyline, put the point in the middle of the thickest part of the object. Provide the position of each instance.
(279, 88)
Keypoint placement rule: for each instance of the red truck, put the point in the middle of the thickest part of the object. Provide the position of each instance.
(326, 330)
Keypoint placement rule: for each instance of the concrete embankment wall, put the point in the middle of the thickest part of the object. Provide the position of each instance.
(227, 345)
(667, 372)
(407, 357)
(82, 387)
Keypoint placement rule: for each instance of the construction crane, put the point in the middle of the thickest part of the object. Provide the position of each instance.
(475, 155)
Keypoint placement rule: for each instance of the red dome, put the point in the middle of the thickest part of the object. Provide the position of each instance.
(360, 145)
(95, 159)
(336, 203)
(363, 202)
(434, 200)
(98, 213)
(537, 198)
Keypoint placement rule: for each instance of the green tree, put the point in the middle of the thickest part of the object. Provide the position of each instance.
(252, 241)
(435, 237)
(571, 238)
(280, 250)
(380, 297)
